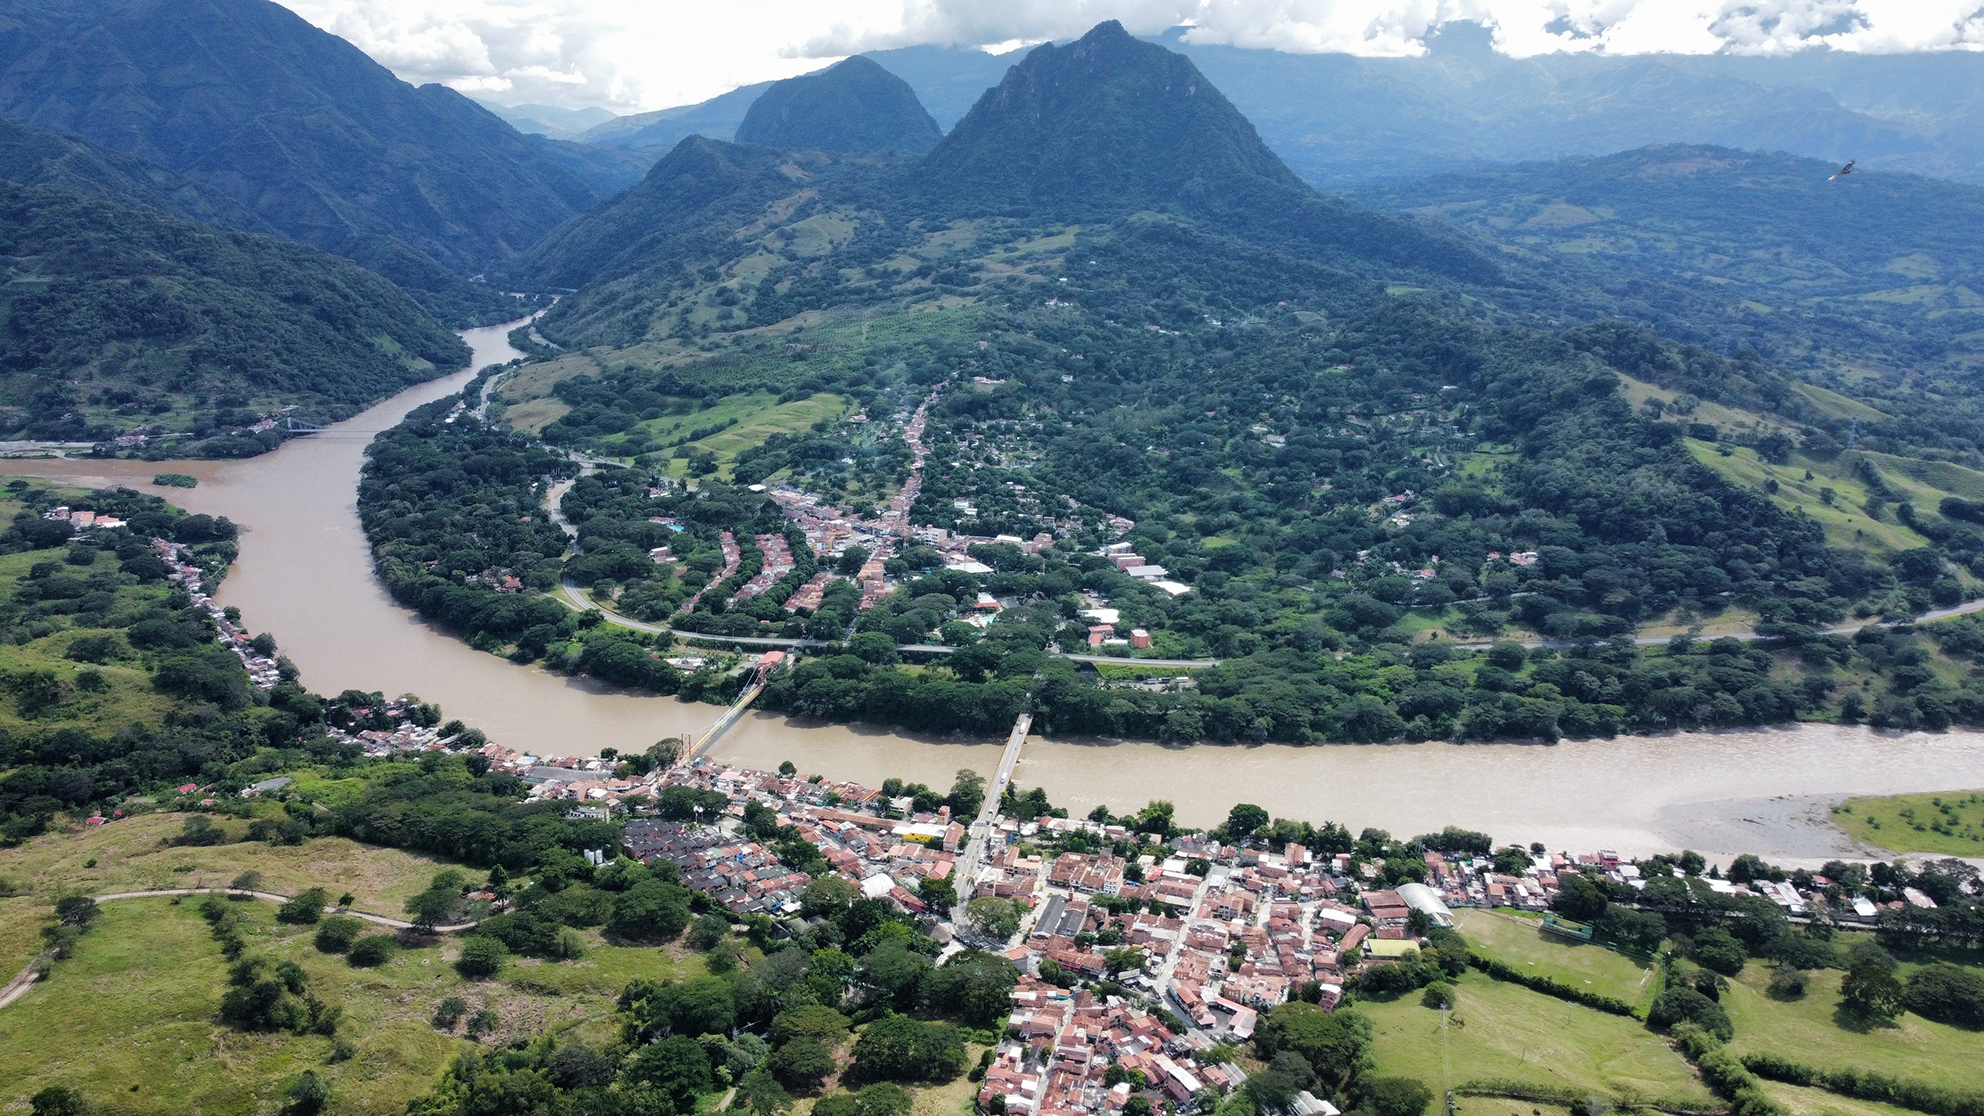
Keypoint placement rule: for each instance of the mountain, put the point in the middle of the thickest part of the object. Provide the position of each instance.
(1724, 246)
(33, 157)
(947, 80)
(550, 120)
(853, 106)
(659, 131)
(1340, 120)
(1110, 125)
(292, 123)
(113, 317)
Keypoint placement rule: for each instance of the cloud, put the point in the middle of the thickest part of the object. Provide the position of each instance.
(630, 55)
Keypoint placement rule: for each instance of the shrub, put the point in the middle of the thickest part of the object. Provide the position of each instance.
(481, 957)
(1788, 983)
(1948, 994)
(336, 933)
(374, 949)
(1685, 1005)
(449, 1012)
(305, 909)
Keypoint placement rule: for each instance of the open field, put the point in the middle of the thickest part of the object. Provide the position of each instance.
(135, 1007)
(1845, 519)
(1524, 943)
(1505, 1031)
(1949, 824)
(1809, 1030)
(1817, 1102)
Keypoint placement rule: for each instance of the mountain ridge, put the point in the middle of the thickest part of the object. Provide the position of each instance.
(292, 123)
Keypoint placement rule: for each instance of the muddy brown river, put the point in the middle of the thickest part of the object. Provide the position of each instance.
(305, 576)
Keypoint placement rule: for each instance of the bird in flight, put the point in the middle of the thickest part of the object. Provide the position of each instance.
(1845, 170)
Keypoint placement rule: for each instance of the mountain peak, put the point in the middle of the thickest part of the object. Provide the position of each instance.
(1108, 123)
(854, 106)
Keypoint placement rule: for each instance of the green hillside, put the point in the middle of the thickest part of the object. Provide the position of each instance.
(114, 319)
(301, 128)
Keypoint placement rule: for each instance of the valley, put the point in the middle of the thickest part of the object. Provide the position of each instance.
(522, 579)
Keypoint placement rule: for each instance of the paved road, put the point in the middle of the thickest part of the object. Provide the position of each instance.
(981, 827)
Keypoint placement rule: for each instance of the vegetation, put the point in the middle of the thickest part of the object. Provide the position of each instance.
(1951, 824)
(118, 319)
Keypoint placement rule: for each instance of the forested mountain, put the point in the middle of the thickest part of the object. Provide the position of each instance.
(33, 157)
(1868, 284)
(853, 106)
(114, 319)
(299, 127)
(1105, 128)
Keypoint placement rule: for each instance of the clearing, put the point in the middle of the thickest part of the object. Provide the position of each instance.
(1813, 1030)
(1949, 824)
(1522, 942)
(1505, 1031)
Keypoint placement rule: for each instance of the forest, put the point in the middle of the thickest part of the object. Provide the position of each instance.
(115, 319)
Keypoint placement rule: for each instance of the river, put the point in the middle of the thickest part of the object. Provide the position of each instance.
(305, 576)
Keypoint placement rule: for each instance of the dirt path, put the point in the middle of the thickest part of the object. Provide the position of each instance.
(25, 979)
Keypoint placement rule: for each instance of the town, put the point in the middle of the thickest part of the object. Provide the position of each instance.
(1146, 954)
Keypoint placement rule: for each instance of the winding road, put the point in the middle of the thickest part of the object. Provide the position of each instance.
(26, 978)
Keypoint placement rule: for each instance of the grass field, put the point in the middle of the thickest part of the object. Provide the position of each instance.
(1845, 519)
(1818, 1102)
(1505, 1031)
(136, 1006)
(1523, 943)
(1950, 824)
(1810, 1030)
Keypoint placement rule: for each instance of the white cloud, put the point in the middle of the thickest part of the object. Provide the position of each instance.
(629, 55)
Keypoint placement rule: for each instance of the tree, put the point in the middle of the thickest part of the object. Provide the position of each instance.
(1716, 948)
(336, 933)
(787, 769)
(1870, 989)
(1336, 1044)
(58, 1100)
(801, 1064)
(481, 957)
(898, 1048)
(650, 911)
(967, 795)
(1396, 1096)
(308, 1094)
(993, 916)
(375, 949)
(433, 907)
(1682, 1004)
(708, 931)
(1243, 820)
(1948, 994)
(974, 986)
(1579, 898)
(822, 1024)
(305, 909)
(875, 647)
(675, 1066)
(829, 896)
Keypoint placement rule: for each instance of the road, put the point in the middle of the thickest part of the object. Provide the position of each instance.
(1748, 636)
(25, 979)
(969, 863)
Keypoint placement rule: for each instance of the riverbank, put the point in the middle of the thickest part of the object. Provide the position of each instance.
(305, 576)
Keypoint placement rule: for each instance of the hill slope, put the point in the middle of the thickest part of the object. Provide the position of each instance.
(112, 318)
(1839, 278)
(292, 123)
(851, 106)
